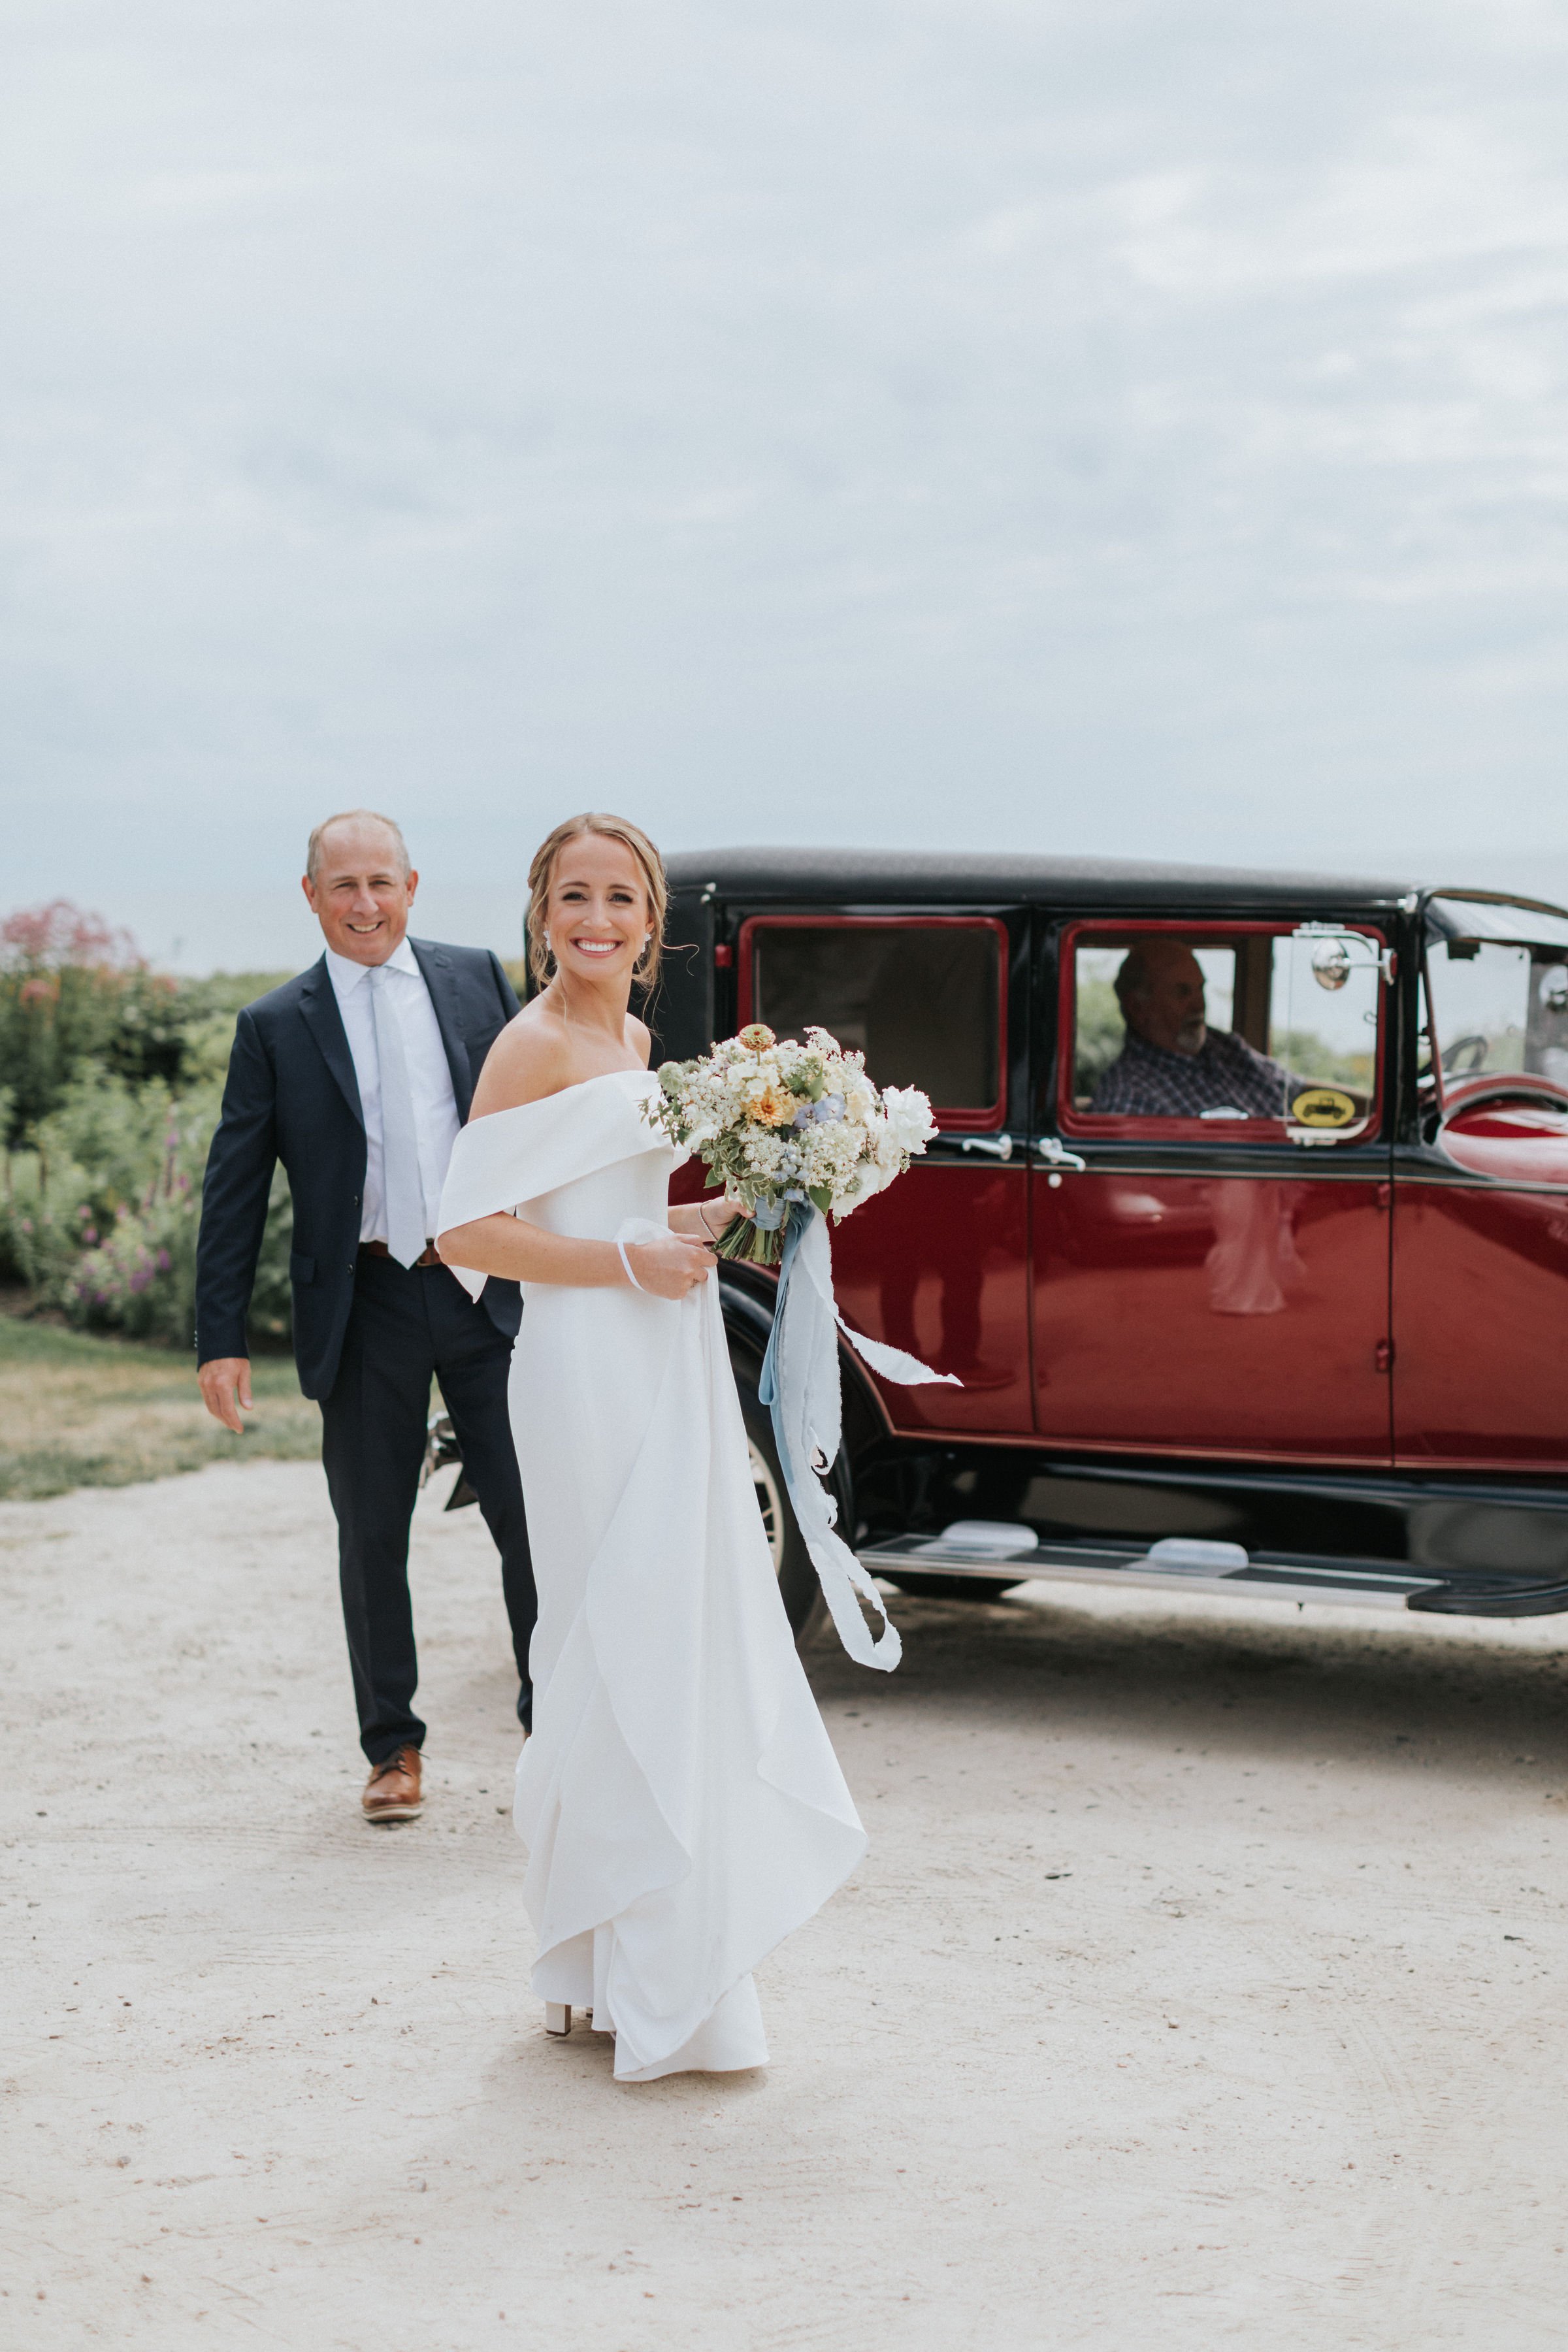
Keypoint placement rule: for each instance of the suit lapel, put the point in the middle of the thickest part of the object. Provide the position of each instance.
(442, 983)
(318, 1010)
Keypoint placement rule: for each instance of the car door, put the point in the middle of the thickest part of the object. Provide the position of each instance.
(1211, 1248)
(1480, 1249)
(939, 1263)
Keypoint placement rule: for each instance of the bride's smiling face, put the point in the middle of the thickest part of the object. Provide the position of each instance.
(598, 917)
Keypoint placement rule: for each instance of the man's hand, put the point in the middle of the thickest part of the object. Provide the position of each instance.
(225, 1389)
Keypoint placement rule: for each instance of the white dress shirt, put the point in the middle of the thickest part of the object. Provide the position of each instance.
(429, 1078)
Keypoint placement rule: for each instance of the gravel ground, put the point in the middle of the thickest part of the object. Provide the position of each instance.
(1203, 1986)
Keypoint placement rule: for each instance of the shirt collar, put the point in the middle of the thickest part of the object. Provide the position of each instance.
(1163, 1052)
(347, 975)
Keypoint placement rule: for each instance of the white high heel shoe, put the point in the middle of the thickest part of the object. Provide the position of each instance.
(557, 2019)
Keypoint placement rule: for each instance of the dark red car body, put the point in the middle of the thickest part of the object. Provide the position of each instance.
(1340, 1354)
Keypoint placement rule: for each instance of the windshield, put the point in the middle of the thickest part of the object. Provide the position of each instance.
(1498, 976)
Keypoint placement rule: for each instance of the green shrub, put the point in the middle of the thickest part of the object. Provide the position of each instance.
(1101, 1033)
(61, 978)
(74, 996)
(114, 1082)
(45, 1214)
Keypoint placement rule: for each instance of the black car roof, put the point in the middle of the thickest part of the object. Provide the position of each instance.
(868, 877)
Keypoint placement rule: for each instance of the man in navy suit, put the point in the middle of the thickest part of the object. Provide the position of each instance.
(357, 1075)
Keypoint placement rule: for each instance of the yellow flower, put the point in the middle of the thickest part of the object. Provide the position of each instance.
(774, 1106)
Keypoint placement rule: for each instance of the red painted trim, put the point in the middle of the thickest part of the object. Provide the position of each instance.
(976, 1121)
(1115, 1127)
(1139, 1449)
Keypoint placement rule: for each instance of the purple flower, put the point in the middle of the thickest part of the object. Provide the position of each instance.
(163, 1261)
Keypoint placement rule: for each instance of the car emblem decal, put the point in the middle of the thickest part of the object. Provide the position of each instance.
(1323, 1107)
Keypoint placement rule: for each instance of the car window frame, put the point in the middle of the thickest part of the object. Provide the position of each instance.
(1450, 1088)
(970, 1122)
(1144, 1127)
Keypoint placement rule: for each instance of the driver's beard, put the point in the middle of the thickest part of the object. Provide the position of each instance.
(1192, 1036)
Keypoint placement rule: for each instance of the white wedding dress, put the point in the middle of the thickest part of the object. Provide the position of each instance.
(680, 1802)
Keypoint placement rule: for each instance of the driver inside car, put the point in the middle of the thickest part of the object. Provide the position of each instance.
(1171, 1063)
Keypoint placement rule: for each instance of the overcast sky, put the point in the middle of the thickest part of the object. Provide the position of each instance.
(1080, 424)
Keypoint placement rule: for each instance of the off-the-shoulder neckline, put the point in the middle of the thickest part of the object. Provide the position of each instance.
(560, 1095)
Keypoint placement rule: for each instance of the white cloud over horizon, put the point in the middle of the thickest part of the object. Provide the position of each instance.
(1101, 429)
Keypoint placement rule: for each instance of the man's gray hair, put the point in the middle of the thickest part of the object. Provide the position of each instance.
(354, 816)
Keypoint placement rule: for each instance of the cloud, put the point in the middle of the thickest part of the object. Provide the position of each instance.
(1056, 427)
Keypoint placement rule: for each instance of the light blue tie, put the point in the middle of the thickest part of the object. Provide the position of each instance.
(401, 1182)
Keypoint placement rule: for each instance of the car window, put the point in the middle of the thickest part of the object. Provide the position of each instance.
(1276, 1030)
(1498, 1005)
(1101, 1030)
(921, 1001)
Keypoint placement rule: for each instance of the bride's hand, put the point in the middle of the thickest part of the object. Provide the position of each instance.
(715, 1217)
(670, 1266)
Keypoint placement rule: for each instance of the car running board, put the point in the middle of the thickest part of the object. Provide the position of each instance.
(1263, 1575)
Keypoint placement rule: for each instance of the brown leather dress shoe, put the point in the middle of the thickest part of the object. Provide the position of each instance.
(392, 1791)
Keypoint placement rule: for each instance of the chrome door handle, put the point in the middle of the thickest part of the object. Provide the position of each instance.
(1055, 1154)
(991, 1147)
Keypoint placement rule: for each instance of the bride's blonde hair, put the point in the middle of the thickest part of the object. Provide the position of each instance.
(542, 874)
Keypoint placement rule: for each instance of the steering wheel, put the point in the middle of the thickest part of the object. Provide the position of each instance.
(1477, 1046)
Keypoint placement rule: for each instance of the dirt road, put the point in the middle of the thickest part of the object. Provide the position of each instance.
(1204, 1985)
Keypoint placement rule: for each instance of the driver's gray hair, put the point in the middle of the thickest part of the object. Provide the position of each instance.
(354, 816)
(1134, 977)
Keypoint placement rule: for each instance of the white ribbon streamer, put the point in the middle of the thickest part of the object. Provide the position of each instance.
(801, 1383)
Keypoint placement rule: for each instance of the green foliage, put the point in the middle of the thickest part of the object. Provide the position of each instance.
(1101, 1033)
(1307, 1056)
(113, 1079)
(76, 997)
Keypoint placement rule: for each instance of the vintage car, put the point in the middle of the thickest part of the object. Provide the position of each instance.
(1271, 1305)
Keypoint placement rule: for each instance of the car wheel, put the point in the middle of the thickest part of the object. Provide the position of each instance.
(801, 1592)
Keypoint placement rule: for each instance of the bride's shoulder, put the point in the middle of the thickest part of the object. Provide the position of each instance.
(529, 1060)
(640, 1037)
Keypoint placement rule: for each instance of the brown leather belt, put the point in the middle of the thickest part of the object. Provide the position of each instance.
(431, 1255)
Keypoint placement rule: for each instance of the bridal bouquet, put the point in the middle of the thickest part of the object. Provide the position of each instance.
(782, 1126)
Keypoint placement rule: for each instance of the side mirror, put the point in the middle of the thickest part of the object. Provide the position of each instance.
(1337, 953)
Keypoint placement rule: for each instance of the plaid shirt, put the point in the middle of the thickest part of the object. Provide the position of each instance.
(1226, 1073)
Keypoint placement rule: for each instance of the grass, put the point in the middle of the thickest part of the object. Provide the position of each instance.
(75, 1411)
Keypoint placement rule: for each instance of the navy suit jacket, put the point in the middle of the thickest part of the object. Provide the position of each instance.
(291, 1095)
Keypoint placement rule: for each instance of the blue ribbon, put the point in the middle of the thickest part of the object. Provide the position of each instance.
(767, 1383)
(849, 1592)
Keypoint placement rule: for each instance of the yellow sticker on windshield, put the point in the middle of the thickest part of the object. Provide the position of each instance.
(1323, 1107)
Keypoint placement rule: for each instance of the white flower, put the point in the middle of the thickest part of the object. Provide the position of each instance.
(908, 1113)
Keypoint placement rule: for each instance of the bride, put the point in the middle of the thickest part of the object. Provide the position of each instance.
(681, 1804)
